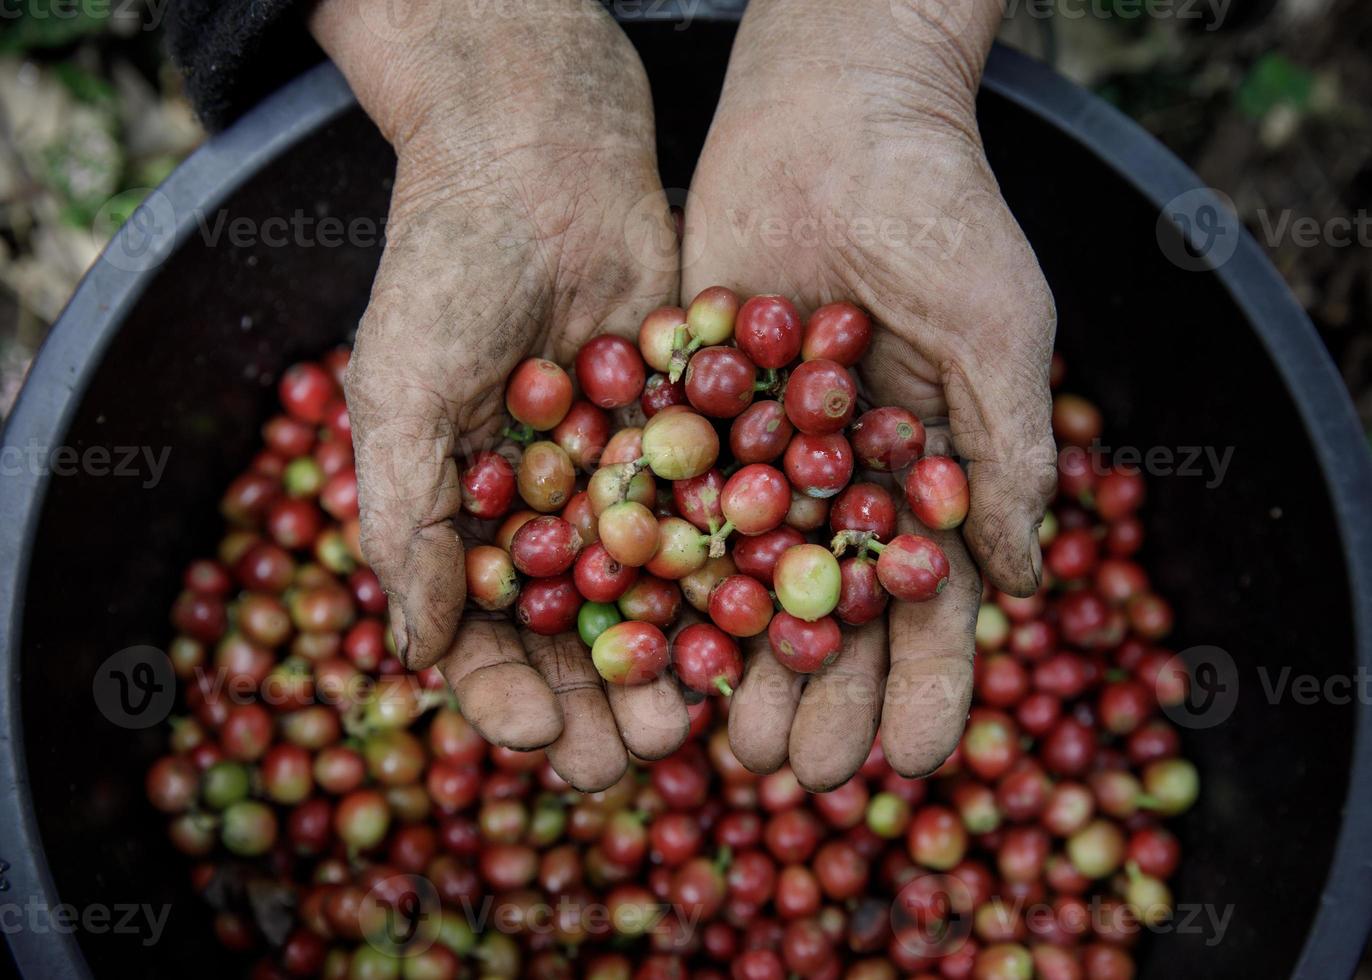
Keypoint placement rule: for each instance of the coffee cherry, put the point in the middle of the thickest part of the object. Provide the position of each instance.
(610, 371)
(911, 567)
(660, 392)
(861, 598)
(599, 577)
(820, 397)
(539, 394)
(616, 482)
(819, 465)
(936, 490)
(488, 486)
(581, 516)
(305, 390)
(887, 439)
(679, 445)
(698, 500)
(1173, 785)
(740, 606)
(755, 499)
(760, 434)
(491, 580)
(719, 381)
(629, 532)
(838, 332)
(630, 653)
(545, 546)
(546, 477)
(548, 606)
(697, 586)
(248, 828)
(804, 646)
(864, 507)
(807, 513)
(594, 618)
(625, 446)
(583, 434)
(712, 315)
(757, 556)
(707, 659)
(681, 549)
(1076, 421)
(768, 330)
(807, 581)
(652, 600)
(1097, 849)
(657, 335)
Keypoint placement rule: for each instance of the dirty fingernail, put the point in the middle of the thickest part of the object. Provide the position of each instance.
(398, 630)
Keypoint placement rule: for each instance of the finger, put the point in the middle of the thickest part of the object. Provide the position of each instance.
(408, 491)
(999, 412)
(503, 698)
(589, 753)
(929, 685)
(762, 709)
(652, 717)
(836, 721)
(893, 372)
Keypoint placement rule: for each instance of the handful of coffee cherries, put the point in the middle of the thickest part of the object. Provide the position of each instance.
(749, 444)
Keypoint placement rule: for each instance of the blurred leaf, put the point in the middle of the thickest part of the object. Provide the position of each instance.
(1274, 80)
(85, 165)
(29, 27)
(154, 170)
(123, 204)
(83, 85)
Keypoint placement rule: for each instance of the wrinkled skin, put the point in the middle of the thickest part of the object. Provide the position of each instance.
(844, 162)
(527, 216)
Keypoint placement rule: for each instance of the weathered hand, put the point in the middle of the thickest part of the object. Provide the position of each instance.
(527, 216)
(844, 162)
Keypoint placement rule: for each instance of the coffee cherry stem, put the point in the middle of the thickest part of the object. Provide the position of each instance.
(625, 477)
(769, 380)
(523, 434)
(719, 538)
(683, 346)
(724, 859)
(863, 541)
(724, 687)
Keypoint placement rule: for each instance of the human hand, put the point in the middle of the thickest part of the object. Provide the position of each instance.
(527, 216)
(844, 162)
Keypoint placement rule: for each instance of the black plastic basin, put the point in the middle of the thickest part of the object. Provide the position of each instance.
(179, 346)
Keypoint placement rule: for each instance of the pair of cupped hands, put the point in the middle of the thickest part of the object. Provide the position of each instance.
(843, 162)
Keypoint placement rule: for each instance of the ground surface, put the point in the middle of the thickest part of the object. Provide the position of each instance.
(1270, 101)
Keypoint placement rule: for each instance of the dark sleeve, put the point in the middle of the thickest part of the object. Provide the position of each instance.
(233, 52)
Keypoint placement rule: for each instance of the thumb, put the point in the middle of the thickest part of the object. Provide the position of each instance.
(442, 329)
(999, 416)
(404, 432)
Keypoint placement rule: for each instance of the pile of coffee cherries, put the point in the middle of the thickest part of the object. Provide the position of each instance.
(719, 449)
(341, 819)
